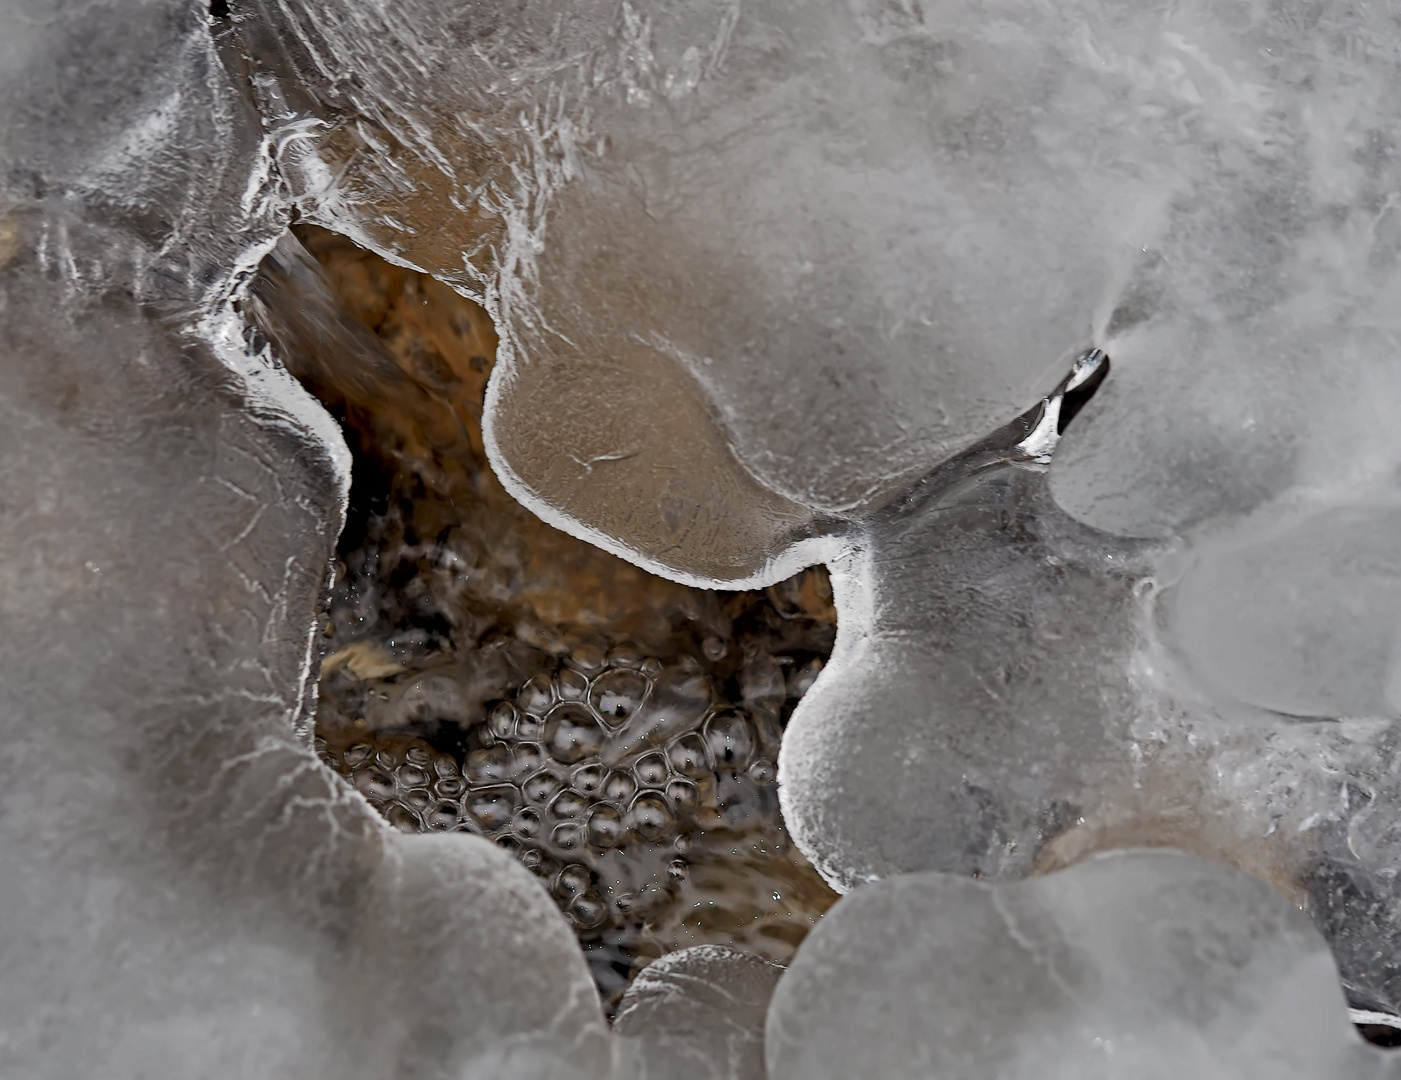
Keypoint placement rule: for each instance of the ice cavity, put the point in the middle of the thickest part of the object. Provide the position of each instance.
(1128, 967)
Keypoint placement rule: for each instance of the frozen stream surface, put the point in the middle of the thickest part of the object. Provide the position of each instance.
(1106, 756)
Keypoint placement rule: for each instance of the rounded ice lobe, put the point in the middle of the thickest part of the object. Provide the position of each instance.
(698, 1014)
(906, 214)
(982, 703)
(1127, 967)
(188, 891)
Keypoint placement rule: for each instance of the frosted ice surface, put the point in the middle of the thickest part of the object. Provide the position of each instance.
(859, 237)
(1011, 690)
(977, 700)
(1127, 967)
(691, 207)
(758, 270)
(699, 1014)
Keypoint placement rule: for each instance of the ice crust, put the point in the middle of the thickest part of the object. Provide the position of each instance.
(763, 274)
(188, 891)
(1127, 967)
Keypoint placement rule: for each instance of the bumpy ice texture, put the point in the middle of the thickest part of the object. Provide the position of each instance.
(759, 270)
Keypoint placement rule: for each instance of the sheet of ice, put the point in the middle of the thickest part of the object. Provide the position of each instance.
(1011, 691)
(691, 212)
(699, 1014)
(757, 270)
(1127, 967)
(863, 235)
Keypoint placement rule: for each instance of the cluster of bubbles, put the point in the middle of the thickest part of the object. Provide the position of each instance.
(596, 774)
(611, 774)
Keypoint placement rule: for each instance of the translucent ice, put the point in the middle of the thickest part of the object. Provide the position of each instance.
(862, 235)
(188, 891)
(699, 1014)
(1012, 690)
(1127, 967)
(763, 273)
(761, 270)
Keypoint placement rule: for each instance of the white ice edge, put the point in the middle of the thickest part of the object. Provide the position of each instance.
(1367, 1016)
(278, 400)
(794, 557)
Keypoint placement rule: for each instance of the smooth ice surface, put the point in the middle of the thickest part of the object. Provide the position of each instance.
(1012, 690)
(977, 700)
(1127, 967)
(699, 1014)
(861, 235)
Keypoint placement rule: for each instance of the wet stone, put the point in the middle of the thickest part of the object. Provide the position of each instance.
(619, 787)
(536, 696)
(569, 838)
(650, 817)
(651, 770)
(493, 807)
(731, 740)
(542, 786)
(569, 804)
(571, 685)
(489, 765)
(687, 756)
(605, 826)
(588, 779)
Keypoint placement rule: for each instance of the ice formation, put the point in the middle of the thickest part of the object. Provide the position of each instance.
(699, 1014)
(769, 277)
(1126, 967)
(859, 237)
